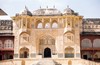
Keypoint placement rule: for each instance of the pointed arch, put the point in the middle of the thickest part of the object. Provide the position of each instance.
(24, 52)
(47, 52)
(96, 43)
(54, 24)
(24, 37)
(39, 24)
(69, 52)
(47, 25)
(47, 40)
(68, 37)
(86, 43)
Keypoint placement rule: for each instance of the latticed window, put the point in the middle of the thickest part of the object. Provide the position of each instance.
(8, 44)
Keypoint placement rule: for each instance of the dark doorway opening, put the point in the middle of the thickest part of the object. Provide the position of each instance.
(47, 52)
(11, 57)
(85, 56)
(0, 57)
(25, 54)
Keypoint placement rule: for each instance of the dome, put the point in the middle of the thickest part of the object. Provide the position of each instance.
(68, 11)
(47, 11)
(26, 12)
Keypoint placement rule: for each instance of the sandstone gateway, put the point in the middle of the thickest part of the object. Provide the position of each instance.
(47, 36)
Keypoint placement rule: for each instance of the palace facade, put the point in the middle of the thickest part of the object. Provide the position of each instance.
(47, 33)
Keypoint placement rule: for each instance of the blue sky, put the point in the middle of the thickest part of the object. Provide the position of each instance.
(86, 8)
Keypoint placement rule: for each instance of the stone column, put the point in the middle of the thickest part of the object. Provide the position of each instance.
(43, 23)
(50, 23)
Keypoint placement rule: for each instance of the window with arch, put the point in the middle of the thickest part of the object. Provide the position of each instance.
(1, 44)
(86, 43)
(24, 37)
(96, 43)
(8, 43)
(39, 25)
(47, 41)
(54, 25)
(69, 52)
(47, 25)
(24, 52)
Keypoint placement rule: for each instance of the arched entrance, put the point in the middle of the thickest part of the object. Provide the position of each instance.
(69, 52)
(25, 54)
(47, 52)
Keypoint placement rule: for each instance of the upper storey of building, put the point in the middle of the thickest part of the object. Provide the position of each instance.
(47, 19)
(6, 24)
(91, 26)
(47, 12)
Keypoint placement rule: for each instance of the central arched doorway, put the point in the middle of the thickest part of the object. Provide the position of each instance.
(47, 52)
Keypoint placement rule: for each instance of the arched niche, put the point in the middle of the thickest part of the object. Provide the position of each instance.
(46, 42)
(86, 43)
(69, 52)
(24, 52)
(68, 37)
(54, 24)
(24, 38)
(39, 24)
(47, 25)
(96, 43)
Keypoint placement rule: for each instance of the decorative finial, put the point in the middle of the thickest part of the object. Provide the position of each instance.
(67, 6)
(47, 6)
(40, 7)
(54, 6)
(26, 8)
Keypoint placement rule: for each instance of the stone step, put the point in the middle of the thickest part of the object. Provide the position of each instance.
(46, 62)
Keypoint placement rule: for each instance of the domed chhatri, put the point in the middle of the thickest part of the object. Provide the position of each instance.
(47, 11)
(69, 11)
(25, 12)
